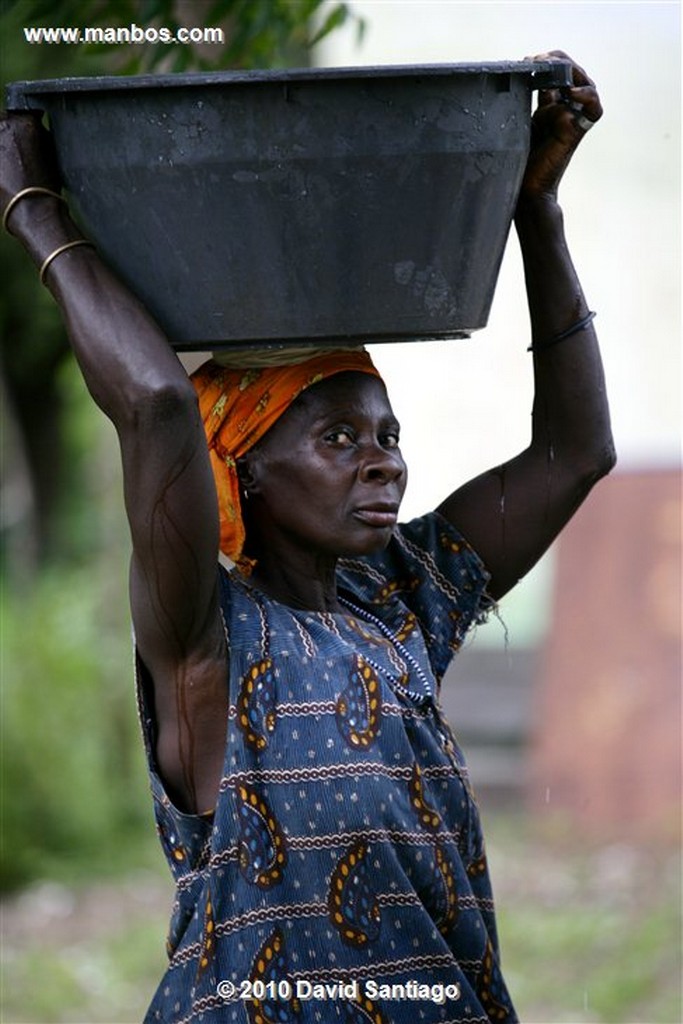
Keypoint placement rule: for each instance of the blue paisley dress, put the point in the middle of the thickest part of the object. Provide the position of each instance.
(342, 875)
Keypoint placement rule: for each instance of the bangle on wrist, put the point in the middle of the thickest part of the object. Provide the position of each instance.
(33, 190)
(47, 262)
(538, 346)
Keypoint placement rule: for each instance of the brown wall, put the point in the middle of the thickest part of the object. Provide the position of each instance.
(606, 748)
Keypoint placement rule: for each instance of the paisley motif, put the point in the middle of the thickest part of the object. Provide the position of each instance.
(449, 543)
(352, 905)
(455, 640)
(441, 896)
(262, 850)
(428, 817)
(391, 587)
(270, 965)
(477, 867)
(359, 707)
(208, 938)
(490, 988)
(364, 633)
(408, 626)
(256, 705)
(175, 848)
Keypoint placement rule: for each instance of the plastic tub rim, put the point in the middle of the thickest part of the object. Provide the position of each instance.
(542, 74)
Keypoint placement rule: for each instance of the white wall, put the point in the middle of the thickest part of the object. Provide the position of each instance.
(472, 399)
(621, 200)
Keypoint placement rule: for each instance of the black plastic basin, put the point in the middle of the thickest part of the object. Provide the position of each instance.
(319, 205)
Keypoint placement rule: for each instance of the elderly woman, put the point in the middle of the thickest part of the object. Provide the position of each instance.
(310, 798)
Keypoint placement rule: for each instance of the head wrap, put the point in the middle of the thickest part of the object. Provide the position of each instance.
(239, 405)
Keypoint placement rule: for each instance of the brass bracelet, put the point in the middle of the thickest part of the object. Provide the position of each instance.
(57, 252)
(33, 190)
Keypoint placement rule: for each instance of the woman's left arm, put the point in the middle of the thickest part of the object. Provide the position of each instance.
(511, 514)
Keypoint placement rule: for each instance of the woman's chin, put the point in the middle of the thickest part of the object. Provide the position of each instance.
(370, 544)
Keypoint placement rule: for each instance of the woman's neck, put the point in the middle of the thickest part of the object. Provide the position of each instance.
(303, 582)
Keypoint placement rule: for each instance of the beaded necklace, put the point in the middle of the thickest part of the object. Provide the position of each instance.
(425, 694)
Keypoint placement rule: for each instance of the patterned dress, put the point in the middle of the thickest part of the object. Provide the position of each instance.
(342, 875)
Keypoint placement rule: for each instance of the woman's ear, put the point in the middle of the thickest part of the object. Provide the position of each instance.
(246, 475)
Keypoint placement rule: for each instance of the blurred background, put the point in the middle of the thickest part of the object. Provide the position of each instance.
(567, 703)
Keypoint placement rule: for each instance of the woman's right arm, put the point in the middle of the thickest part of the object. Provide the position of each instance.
(138, 382)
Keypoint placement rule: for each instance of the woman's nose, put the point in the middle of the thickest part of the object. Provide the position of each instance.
(382, 463)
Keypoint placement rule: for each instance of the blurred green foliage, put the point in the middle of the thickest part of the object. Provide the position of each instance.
(74, 788)
(258, 33)
(73, 773)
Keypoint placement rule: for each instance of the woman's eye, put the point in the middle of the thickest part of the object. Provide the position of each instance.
(391, 441)
(340, 437)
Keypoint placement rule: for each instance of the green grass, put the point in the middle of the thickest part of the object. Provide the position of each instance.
(99, 983)
(589, 935)
(578, 965)
(91, 955)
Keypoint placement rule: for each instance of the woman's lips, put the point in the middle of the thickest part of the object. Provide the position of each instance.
(377, 515)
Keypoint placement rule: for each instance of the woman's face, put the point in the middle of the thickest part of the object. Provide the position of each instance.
(329, 475)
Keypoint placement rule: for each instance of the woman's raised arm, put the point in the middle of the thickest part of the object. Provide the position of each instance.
(512, 513)
(136, 379)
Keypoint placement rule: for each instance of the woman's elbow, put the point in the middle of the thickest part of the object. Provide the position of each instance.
(159, 404)
(598, 465)
(606, 459)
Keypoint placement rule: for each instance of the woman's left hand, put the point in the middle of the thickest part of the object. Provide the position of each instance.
(561, 120)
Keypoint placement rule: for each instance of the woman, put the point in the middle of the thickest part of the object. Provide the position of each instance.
(312, 802)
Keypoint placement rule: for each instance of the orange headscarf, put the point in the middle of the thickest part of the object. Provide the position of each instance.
(239, 406)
